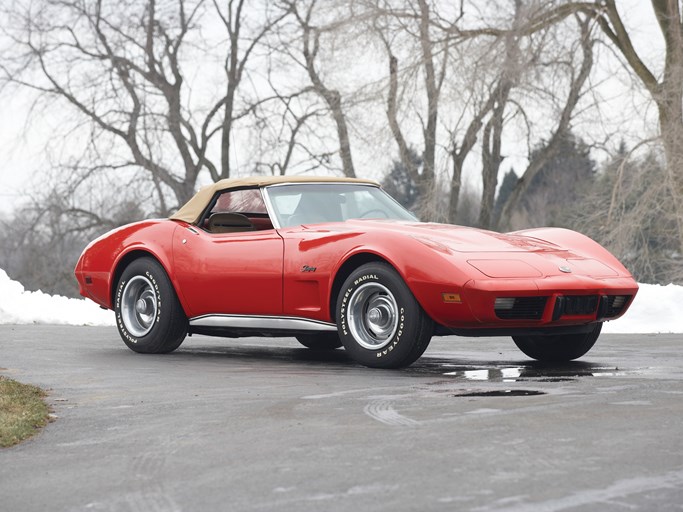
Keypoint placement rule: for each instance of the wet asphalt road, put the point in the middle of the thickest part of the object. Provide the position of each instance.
(264, 424)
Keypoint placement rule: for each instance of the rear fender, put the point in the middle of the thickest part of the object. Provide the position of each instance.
(159, 248)
(103, 261)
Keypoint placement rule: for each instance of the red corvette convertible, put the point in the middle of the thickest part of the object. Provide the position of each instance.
(336, 261)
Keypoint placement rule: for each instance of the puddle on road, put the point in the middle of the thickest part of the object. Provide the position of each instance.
(532, 372)
(483, 379)
(500, 392)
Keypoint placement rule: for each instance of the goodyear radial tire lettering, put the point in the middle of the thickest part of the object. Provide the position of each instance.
(153, 291)
(380, 322)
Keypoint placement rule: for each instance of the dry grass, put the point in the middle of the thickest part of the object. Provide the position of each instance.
(23, 411)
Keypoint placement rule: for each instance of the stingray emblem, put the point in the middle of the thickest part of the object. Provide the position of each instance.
(565, 269)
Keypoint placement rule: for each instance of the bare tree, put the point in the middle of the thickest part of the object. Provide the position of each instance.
(630, 210)
(40, 242)
(578, 78)
(283, 125)
(310, 36)
(666, 90)
(460, 149)
(433, 81)
(125, 70)
(511, 69)
(235, 64)
(443, 43)
(431, 58)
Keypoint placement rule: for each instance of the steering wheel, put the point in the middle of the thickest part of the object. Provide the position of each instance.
(374, 210)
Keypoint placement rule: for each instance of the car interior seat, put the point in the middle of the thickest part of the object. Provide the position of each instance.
(229, 223)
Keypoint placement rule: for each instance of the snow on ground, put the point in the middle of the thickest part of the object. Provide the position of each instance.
(18, 306)
(656, 309)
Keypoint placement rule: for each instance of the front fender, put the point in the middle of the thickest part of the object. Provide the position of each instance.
(577, 243)
(429, 272)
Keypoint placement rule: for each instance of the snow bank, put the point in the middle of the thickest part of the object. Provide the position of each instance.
(18, 306)
(656, 309)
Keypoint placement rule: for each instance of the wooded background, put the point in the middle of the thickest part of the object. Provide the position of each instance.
(497, 114)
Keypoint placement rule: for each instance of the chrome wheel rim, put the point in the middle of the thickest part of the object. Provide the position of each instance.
(373, 316)
(139, 306)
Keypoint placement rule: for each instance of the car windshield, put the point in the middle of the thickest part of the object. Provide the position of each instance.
(312, 203)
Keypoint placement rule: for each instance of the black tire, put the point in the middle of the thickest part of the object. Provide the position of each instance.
(558, 348)
(320, 340)
(380, 322)
(149, 316)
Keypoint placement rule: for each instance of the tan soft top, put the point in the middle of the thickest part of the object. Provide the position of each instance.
(193, 209)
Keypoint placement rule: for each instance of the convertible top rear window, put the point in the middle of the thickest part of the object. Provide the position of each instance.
(242, 201)
(313, 203)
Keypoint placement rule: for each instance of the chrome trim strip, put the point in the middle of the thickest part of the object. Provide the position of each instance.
(269, 208)
(340, 182)
(284, 323)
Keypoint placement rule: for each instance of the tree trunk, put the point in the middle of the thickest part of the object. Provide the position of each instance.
(333, 99)
(491, 156)
(456, 184)
(392, 115)
(671, 127)
(432, 88)
(226, 131)
(553, 146)
(667, 91)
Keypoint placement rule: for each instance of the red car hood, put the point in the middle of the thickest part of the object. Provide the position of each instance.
(453, 238)
(498, 255)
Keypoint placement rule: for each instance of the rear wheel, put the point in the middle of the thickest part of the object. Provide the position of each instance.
(149, 316)
(320, 340)
(380, 322)
(560, 347)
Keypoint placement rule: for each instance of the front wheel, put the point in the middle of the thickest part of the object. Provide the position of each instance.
(149, 316)
(380, 322)
(558, 347)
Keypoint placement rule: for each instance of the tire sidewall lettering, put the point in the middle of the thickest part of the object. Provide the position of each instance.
(157, 292)
(397, 339)
(366, 277)
(347, 294)
(343, 311)
(125, 333)
(119, 319)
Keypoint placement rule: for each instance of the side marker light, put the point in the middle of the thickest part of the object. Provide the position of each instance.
(451, 297)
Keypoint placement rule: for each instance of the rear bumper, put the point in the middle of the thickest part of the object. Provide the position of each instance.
(93, 285)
